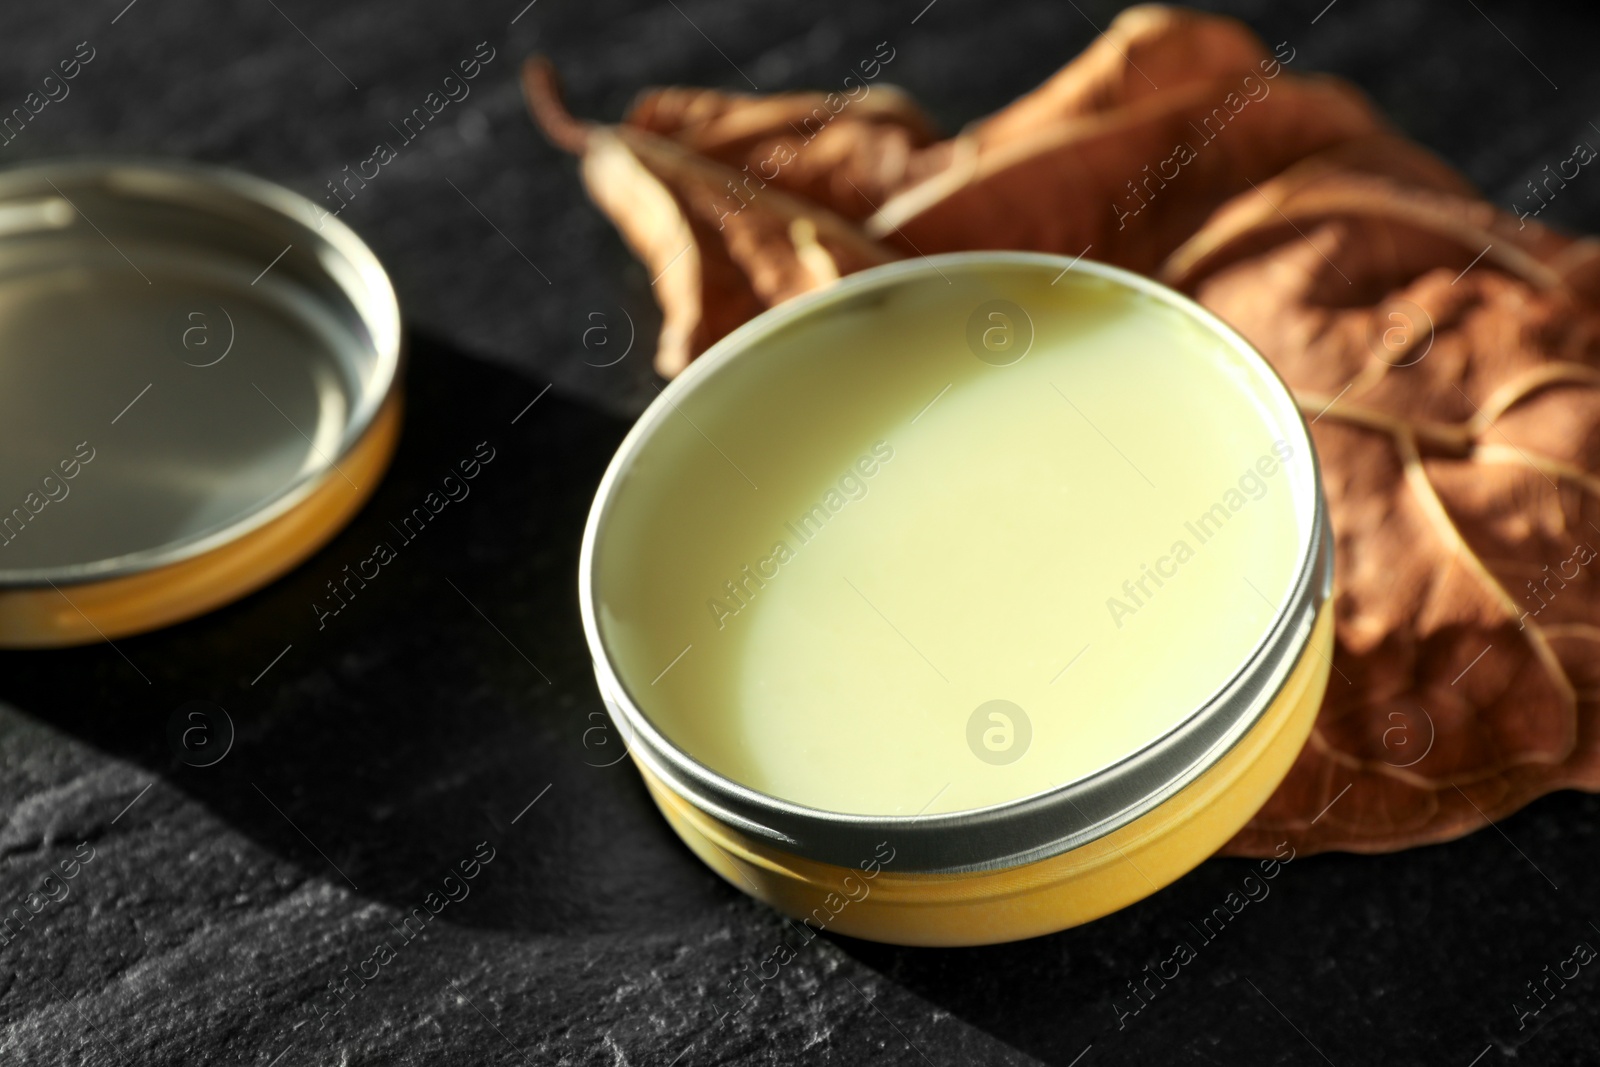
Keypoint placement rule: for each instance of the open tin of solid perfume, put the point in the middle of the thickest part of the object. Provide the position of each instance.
(968, 599)
(199, 385)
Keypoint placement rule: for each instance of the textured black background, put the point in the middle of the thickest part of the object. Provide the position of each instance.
(383, 749)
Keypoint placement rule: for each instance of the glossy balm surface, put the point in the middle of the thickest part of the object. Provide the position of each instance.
(952, 543)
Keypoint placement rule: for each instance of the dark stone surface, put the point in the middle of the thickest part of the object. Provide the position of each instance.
(381, 750)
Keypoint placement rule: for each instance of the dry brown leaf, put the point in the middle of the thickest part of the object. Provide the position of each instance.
(1148, 49)
(1447, 355)
(713, 265)
(1127, 185)
(1454, 377)
(848, 154)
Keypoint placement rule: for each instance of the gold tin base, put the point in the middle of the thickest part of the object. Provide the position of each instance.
(86, 612)
(1074, 887)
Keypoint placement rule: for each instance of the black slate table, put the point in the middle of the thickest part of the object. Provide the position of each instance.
(447, 715)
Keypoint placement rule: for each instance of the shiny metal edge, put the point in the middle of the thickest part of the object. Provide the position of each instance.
(379, 310)
(1017, 832)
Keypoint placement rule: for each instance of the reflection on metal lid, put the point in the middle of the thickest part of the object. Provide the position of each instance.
(184, 356)
(49, 213)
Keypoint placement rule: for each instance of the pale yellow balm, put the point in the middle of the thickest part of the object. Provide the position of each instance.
(954, 543)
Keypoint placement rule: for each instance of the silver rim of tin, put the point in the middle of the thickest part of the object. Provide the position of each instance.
(330, 252)
(1016, 832)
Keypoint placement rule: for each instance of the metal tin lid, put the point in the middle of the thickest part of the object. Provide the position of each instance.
(186, 356)
(1032, 827)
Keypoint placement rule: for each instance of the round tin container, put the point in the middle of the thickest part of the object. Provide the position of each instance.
(1065, 853)
(199, 387)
